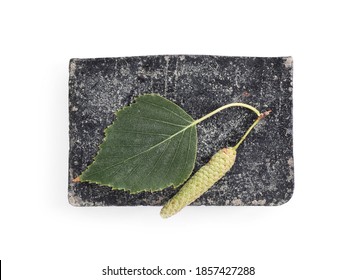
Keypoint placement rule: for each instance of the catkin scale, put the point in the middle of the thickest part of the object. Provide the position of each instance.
(200, 182)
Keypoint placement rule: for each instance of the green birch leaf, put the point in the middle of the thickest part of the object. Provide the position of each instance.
(150, 146)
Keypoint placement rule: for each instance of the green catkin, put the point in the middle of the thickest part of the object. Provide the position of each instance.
(209, 174)
(202, 181)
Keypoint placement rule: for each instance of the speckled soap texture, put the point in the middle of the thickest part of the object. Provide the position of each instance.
(263, 173)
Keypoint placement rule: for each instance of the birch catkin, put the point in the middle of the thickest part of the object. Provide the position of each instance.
(202, 181)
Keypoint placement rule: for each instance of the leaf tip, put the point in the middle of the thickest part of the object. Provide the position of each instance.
(76, 180)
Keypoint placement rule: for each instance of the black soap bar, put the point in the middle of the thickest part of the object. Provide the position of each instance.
(263, 172)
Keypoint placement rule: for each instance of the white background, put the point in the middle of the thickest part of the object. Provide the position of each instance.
(43, 237)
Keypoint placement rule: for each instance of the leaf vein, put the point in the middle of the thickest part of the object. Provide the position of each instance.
(134, 167)
(188, 147)
(155, 164)
(141, 132)
(159, 106)
(161, 121)
(175, 153)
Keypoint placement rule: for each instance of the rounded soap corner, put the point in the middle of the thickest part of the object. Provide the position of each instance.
(72, 200)
(288, 62)
(288, 199)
